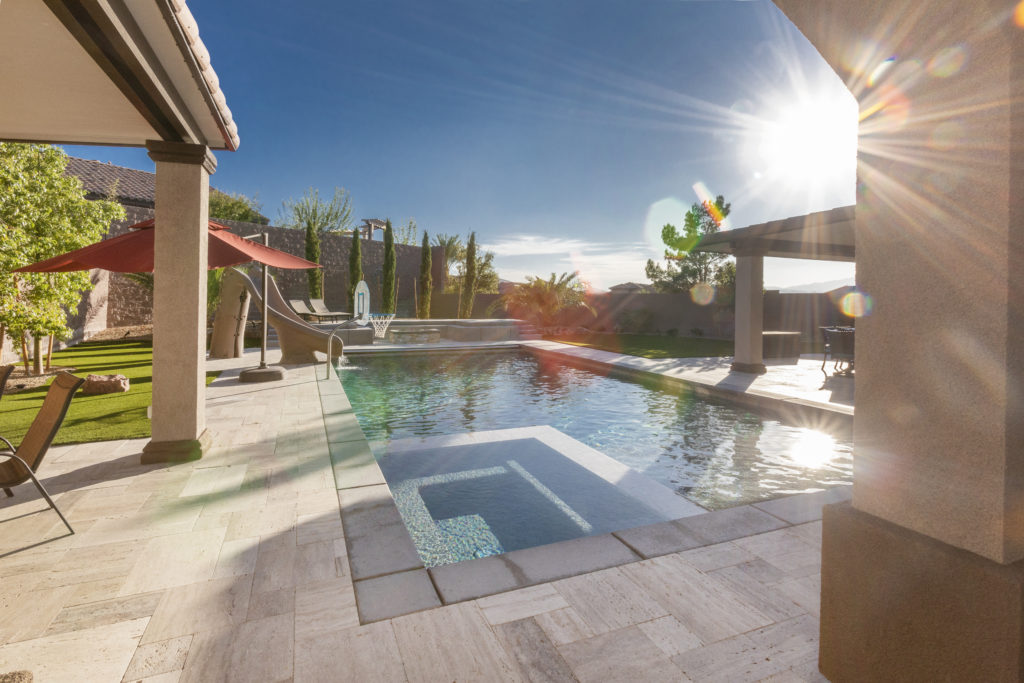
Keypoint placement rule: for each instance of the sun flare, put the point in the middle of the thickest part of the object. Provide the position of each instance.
(807, 145)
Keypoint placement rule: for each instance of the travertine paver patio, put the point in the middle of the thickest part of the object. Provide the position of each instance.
(236, 567)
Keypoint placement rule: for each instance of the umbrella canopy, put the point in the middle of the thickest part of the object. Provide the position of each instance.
(133, 253)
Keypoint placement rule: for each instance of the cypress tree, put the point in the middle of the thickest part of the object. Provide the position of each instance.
(468, 280)
(355, 268)
(423, 303)
(387, 289)
(315, 275)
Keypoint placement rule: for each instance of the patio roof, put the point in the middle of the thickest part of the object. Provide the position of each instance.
(109, 73)
(822, 236)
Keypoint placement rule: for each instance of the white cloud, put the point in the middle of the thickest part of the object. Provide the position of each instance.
(534, 245)
(602, 264)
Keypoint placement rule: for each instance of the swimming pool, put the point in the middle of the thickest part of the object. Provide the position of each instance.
(714, 454)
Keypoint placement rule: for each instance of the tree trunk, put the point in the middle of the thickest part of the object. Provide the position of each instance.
(3, 338)
(24, 353)
(37, 355)
(49, 353)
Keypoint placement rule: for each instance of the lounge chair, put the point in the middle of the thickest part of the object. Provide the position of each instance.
(23, 461)
(303, 309)
(320, 308)
(5, 374)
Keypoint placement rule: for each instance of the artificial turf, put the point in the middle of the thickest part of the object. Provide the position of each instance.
(652, 346)
(104, 417)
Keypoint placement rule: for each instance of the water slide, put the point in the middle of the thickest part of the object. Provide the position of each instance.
(298, 339)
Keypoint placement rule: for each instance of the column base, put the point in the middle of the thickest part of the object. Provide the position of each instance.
(897, 605)
(271, 373)
(753, 368)
(177, 451)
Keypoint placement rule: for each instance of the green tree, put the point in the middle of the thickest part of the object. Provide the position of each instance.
(685, 267)
(43, 213)
(406, 234)
(541, 301)
(355, 268)
(454, 252)
(387, 288)
(468, 280)
(235, 207)
(486, 276)
(317, 217)
(423, 302)
(315, 276)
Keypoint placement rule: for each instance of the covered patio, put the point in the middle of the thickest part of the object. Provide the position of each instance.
(134, 74)
(821, 236)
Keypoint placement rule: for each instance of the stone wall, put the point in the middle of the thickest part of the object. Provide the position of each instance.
(128, 303)
(131, 304)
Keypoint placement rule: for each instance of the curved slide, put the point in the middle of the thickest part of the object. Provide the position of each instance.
(298, 339)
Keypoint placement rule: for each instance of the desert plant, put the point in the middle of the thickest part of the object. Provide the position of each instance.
(541, 301)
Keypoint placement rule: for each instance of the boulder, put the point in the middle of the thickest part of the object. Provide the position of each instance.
(105, 384)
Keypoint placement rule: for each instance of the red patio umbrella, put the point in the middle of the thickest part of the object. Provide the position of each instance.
(133, 253)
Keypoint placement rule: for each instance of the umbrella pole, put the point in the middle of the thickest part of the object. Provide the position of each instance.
(263, 342)
(263, 373)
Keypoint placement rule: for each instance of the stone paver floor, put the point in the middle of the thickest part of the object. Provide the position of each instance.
(235, 568)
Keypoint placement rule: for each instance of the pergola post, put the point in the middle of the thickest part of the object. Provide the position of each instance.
(179, 301)
(748, 353)
(923, 574)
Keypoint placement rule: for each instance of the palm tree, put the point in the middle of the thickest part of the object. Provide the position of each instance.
(540, 301)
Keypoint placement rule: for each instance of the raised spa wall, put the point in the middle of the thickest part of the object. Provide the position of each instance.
(464, 330)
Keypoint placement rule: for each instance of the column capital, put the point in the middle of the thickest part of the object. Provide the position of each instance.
(182, 153)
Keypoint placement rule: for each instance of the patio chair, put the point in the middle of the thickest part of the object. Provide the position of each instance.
(839, 346)
(5, 374)
(303, 309)
(24, 460)
(320, 308)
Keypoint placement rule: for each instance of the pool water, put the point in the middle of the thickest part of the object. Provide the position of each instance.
(714, 454)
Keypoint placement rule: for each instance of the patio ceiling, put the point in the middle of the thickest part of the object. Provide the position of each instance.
(822, 236)
(108, 72)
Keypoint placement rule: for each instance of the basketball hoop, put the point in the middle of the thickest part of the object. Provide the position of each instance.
(380, 323)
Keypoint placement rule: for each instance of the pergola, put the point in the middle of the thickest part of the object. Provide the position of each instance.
(115, 72)
(822, 236)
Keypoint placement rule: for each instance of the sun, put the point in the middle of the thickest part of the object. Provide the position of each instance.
(806, 145)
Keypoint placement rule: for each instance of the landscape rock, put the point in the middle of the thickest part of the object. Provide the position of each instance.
(105, 384)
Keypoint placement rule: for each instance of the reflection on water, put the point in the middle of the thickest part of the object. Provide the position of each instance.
(714, 453)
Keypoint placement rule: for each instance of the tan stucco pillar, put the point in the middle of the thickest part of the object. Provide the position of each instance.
(179, 301)
(921, 575)
(748, 347)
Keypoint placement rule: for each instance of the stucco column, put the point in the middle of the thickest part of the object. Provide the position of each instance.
(748, 355)
(922, 576)
(179, 301)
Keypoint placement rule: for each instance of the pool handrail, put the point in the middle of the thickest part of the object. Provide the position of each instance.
(330, 342)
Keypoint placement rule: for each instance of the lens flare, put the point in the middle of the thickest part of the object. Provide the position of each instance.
(879, 71)
(947, 61)
(707, 200)
(856, 304)
(702, 294)
(1018, 14)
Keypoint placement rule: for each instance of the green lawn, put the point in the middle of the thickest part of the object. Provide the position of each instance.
(652, 346)
(92, 418)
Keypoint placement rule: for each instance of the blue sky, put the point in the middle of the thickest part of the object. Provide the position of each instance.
(564, 132)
